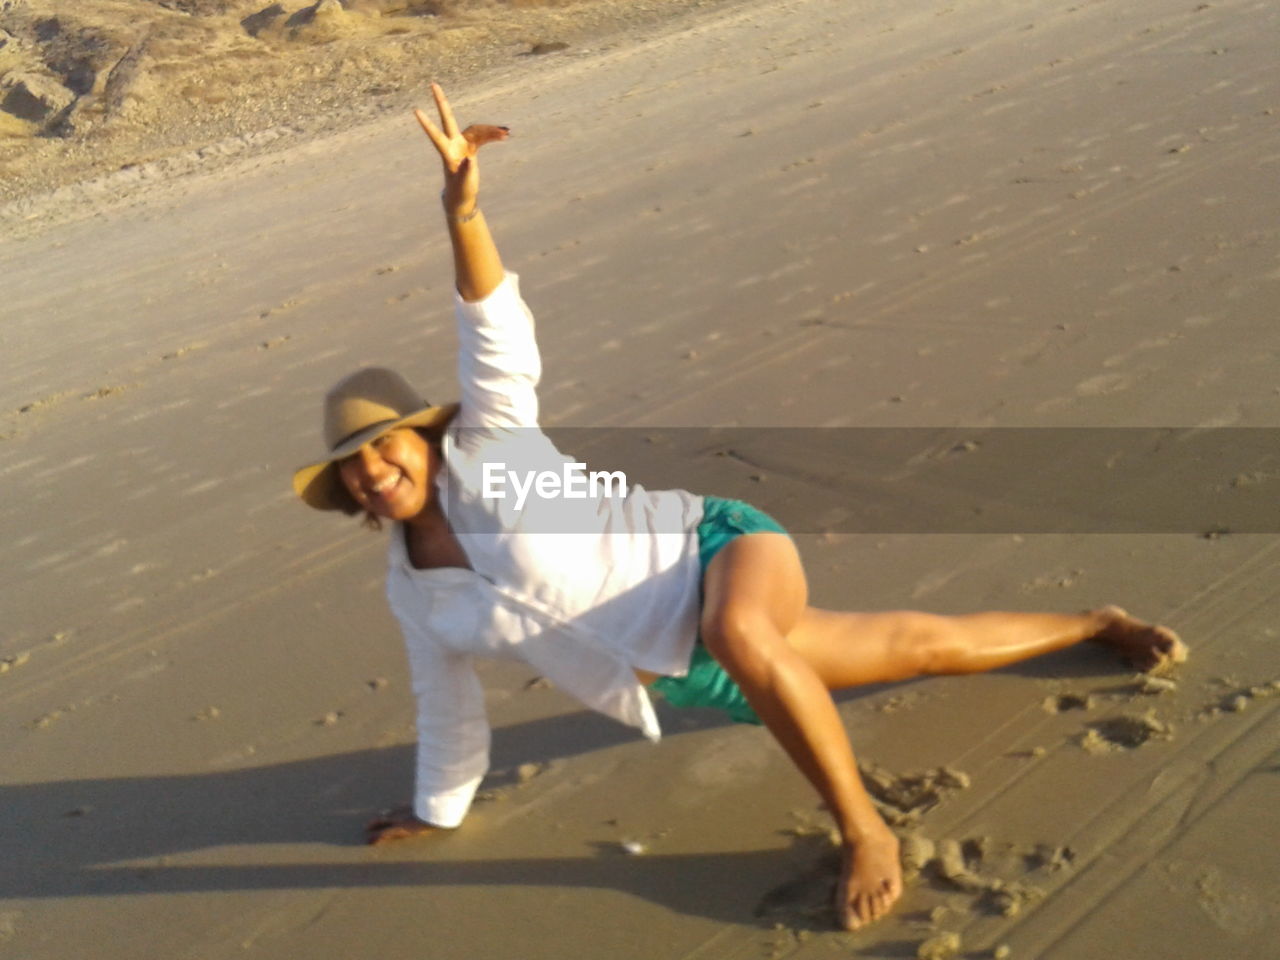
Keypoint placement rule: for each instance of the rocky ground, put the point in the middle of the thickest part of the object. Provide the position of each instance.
(100, 86)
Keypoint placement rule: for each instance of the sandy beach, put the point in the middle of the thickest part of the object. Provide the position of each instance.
(806, 213)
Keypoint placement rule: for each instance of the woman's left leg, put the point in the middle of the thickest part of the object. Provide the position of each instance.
(754, 595)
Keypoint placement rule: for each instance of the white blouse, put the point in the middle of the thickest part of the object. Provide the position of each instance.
(585, 589)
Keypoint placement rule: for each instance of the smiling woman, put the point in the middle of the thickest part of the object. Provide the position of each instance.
(392, 476)
(706, 594)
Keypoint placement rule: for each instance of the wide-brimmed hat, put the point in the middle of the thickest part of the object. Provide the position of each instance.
(357, 409)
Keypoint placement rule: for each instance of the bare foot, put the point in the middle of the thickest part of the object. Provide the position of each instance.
(870, 881)
(1145, 646)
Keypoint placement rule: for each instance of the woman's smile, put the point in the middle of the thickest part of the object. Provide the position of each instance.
(391, 475)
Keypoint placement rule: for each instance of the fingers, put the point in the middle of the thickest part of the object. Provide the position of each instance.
(382, 821)
(393, 824)
(431, 130)
(385, 835)
(447, 123)
(389, 832)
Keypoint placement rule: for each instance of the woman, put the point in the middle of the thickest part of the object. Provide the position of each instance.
(706, 595)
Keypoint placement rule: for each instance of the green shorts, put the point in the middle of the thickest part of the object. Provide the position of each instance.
(706, 684)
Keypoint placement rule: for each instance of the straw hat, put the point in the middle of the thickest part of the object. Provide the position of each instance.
(357, 409)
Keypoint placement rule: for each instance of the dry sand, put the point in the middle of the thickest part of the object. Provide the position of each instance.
(812, 212)
(122, 90)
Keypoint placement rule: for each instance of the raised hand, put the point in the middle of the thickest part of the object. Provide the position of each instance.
(458, 151)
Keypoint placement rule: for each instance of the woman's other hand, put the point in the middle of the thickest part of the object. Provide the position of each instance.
(397, 824)
(458, 149)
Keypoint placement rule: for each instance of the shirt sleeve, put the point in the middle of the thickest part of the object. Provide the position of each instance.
(498, 361)
(453, 732)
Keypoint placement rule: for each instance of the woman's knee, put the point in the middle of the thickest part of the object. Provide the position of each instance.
(739, 637)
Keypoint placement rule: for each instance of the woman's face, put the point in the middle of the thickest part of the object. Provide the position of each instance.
(392, 476)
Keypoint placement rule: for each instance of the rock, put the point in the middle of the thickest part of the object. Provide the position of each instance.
(123, 82)
(37, 98)
(255, 23)
(324, 15)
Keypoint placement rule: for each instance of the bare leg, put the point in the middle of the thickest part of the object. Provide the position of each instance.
(755, 594)
(849, 649)
(786, 656)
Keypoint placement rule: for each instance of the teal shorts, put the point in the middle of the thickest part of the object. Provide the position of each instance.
(706, 684)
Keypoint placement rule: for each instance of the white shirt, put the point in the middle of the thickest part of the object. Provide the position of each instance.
(584, 590)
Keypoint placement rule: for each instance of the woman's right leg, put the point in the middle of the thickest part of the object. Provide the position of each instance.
(850, 649)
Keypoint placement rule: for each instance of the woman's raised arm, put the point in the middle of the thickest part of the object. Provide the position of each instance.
(476, 264)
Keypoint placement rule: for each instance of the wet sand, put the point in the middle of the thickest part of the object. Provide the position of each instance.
(808, 213)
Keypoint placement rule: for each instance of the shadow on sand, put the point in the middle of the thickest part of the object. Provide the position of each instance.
(112, 836)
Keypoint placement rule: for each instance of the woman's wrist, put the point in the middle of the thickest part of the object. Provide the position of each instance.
(458, 216)
(459, 209)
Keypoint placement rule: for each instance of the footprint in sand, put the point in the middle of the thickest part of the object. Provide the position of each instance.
(1067, 701)
(1126, 732)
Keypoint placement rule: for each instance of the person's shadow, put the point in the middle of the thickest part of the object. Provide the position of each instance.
(113, 836)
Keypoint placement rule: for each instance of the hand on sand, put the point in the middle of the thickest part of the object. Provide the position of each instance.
(457, 151)
(396, 824)
(870, 880)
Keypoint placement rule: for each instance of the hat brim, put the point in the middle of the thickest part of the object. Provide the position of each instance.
(318, 484)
